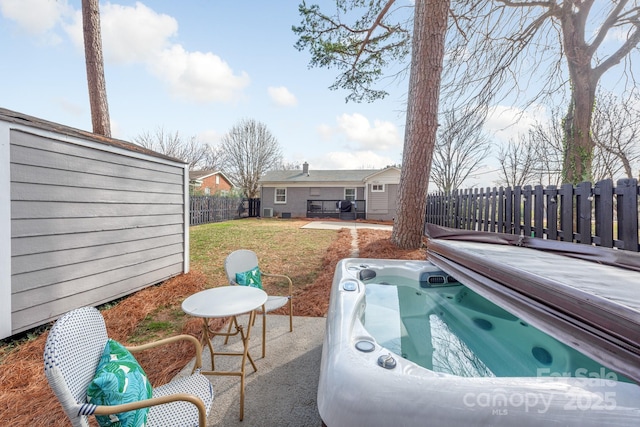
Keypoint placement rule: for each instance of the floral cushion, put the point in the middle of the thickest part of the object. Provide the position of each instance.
(250, 278)
(119, 379)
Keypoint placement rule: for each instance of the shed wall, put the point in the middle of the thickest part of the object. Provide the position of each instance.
(89, 225)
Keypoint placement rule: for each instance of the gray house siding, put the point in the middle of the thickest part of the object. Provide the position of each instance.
(297, 198)
(381, 205)
(89, 223)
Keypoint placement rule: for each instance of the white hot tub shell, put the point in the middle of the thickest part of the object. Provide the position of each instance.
(355, 390)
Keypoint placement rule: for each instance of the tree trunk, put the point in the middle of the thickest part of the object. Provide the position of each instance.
(430, 25)
(95, 68)
(578, 144)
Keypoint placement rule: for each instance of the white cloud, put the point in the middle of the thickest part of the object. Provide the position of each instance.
(134, 34)
(380, 136)
(37, 17)
(198, 76)
(139, 35)
(282, 97)
(506, 122)
(22, 12)
(129, 34)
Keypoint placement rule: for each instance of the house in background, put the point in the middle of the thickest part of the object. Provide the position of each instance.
(208, 182)
(346, 194)
(84, 219)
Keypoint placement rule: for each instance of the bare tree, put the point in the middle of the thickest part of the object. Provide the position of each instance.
(615, 130)
(289, 166)
(518, 161)
(548, 141)
(249, 150)
(212, 159)
(460, 149)
(616, 133)
(95, 68)
(510, 45)
(173, 145)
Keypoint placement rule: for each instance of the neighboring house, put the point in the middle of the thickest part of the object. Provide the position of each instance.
(346, 194)
(209, 182)
(84, 219)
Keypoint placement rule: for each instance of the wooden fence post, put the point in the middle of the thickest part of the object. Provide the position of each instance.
(526, 198)
(501, 199)
(458, 210)
(552, 212)
(538, 211)
(583, 212)
(492, 213)
(566, 212)
(486, 196)
(508, 211)
(627, 192)
(603, 202)
(517, 210)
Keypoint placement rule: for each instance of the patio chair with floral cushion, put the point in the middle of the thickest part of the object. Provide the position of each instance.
(242, 268)
(91, 374)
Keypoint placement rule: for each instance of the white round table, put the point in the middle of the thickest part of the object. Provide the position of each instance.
(224, 301)
(227, 301)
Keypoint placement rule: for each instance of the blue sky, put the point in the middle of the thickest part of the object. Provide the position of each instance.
(196, 67)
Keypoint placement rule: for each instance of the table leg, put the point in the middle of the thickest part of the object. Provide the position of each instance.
(207, 340)
(245, 356)
(208, 334)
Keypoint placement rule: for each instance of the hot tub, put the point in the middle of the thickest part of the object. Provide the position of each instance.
(407, 345)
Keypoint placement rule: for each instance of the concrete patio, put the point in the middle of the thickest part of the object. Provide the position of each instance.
(283, 390)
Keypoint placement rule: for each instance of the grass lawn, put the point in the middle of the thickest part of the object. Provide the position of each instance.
(281, 245)
(282, 248)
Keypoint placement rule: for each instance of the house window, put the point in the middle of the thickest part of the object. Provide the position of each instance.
(217, 179)
(280, 195)
(207, 191)
(349, 193)
(377, 188)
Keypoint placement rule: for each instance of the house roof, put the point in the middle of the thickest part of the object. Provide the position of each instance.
(318, 176)
(200, 175)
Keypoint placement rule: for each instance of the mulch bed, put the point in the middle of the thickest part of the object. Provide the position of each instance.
(26, 399)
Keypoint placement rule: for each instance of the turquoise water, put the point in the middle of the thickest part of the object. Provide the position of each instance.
(454, 330)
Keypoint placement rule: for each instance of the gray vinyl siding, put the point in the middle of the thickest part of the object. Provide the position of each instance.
(296, 202)
(88, 225)
(382, 205)
(297, 198)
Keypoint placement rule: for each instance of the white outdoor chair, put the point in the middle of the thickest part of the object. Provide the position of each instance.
(71, 355)
(244, 260)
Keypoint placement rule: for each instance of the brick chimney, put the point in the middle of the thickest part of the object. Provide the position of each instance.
(305, 168)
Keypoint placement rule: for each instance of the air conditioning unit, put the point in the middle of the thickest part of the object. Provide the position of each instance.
(267, 212)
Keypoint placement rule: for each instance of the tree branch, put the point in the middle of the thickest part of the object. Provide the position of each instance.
(618, 55)
(608, 23)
